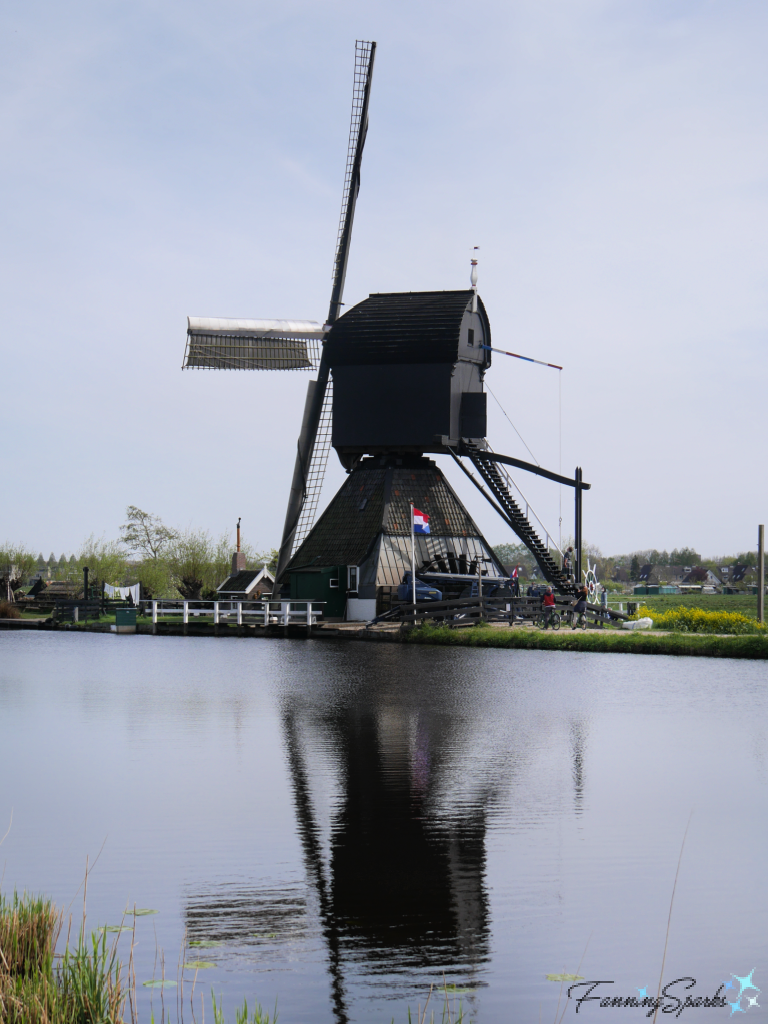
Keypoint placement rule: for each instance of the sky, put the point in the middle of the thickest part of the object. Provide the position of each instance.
(609, 158)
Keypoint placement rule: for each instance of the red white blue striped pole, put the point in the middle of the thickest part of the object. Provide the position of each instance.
(527, 359)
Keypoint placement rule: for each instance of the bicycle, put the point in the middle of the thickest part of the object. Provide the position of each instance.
(578, 621)
(553, 620)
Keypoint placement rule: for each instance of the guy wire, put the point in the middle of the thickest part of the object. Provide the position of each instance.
(512, 425)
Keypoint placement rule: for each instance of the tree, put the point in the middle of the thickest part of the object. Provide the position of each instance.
(516, 555)
(634, 569)
(145, 533)
(105, 560)
(155, 578)
(191, 560)
(685, 556)
(16, 565)
(699, 574)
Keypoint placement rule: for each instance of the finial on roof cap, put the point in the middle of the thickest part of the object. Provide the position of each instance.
(473, 281)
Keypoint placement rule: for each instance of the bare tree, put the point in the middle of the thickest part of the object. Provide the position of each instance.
(146, 533)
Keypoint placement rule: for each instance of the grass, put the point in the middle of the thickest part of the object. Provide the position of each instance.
(87, 984)
(8, 610)
(744, 603)
(598, 641)
(84, 988)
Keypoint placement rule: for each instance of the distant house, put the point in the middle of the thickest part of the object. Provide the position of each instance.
(621, 574)
(659, 575)
(699, 576)
(738, 577)
(246, 585)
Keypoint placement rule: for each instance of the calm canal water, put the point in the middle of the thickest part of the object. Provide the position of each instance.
(352, 822)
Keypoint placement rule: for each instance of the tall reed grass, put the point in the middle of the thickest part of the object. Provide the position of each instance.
(87, 984)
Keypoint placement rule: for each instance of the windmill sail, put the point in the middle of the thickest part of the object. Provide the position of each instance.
(227, 344)
(313, 445)
(216, 343)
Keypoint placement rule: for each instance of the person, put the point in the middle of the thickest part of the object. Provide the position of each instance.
(581, 602)
(515, 584)
(549, 606)
(568, 562)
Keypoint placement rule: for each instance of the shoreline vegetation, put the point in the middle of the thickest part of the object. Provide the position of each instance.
(89, 984)
(598, 641)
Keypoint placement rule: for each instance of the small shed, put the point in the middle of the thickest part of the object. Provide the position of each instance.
(246, 585)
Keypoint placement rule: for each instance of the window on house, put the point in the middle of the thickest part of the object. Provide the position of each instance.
(470, 337)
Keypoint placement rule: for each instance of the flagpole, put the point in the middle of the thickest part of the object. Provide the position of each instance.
(413, 563)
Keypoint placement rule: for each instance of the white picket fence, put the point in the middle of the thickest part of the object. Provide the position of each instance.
(259, 613)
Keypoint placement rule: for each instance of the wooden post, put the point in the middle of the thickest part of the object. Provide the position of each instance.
(577, 528)
(761, 574)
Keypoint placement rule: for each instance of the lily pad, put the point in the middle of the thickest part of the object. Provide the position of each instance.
(198, 965)
(205, 943)
(565, 977)
(143, 912)
(456, 990)
(116, 928)
(159, 983)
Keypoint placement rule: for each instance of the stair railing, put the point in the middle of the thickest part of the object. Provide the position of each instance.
(529, 509)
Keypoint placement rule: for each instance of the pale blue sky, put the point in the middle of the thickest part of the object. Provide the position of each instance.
(165, 159)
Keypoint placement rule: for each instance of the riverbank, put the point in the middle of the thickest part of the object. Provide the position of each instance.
(599, 641)
(528, 638)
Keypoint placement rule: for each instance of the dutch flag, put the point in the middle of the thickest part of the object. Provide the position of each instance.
(420, 522)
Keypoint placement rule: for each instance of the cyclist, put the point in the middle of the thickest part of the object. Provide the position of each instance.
(581, 606)
(549, 606)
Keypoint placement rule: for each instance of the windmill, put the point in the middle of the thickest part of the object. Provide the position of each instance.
(399, 376)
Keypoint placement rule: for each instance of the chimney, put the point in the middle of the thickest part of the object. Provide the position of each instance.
(238, 559)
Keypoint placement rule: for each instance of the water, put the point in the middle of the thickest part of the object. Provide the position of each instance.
(353, 822)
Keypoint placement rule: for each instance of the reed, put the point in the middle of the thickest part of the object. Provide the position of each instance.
(9, 611)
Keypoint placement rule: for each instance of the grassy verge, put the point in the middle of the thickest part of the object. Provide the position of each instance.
(597, 641)
(744, 603)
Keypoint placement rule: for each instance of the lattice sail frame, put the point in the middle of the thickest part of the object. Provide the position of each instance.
(316, 473)
(216, 343)
(363, 50)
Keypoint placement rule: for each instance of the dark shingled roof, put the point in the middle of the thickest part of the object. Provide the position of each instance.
(402, 327)
(346, 530)
(429, 492)
(240, 582)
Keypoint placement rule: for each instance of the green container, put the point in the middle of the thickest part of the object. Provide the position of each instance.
(640, 590)
(125, 620)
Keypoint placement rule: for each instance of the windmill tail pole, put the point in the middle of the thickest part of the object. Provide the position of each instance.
(313, 408)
